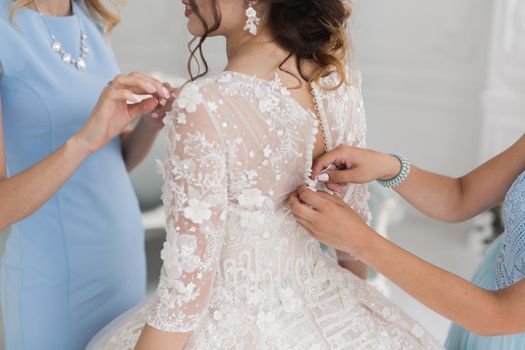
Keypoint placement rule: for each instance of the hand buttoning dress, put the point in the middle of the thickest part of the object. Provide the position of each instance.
(239, 271)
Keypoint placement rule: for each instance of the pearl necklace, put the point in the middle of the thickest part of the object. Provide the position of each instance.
(56, 45)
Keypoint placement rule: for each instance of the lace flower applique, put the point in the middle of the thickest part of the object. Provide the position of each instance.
(179, 256)
(190, 97)
(198, 211)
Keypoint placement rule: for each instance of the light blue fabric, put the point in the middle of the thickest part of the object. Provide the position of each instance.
(78, 262)
(502, 266)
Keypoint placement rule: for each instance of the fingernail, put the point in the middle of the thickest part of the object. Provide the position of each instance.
(323, 177)
(174, 95)
(162, 102)
(151, 88)
(154, 115)
(136, 98)
(166, 92)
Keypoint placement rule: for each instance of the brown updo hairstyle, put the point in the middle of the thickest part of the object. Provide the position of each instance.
(311, 30)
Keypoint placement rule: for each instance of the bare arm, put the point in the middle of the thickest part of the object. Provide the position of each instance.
(441, 197)
(456, 200)
(358, 268)
(152, 339)
(481, 311)
(137, 143)
(485, 312)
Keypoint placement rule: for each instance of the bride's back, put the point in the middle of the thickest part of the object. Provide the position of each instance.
(268, 134)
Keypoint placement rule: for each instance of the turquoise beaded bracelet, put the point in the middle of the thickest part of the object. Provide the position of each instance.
(399, 178)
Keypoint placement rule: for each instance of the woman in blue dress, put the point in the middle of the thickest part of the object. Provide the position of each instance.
(74, 259)
(489, 312)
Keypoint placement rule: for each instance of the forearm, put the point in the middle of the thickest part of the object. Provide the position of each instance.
(474, 308)
(137, 144)
(26, 192)
(455, 200)
(437, 196)
(357, 267)
(152, 338)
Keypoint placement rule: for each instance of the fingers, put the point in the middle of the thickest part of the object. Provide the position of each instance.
(141, 84)
(164, 105)
(300, 210)
(336, 188)
(122, 95)
(137, 105)
(164, 90)
(343, 176)
(324, 161)
(308, 226)
(145, 107)
(320, 201)
(323, 201)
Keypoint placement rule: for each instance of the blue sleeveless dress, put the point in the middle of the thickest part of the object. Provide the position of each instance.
(503, 265)
(78, 262)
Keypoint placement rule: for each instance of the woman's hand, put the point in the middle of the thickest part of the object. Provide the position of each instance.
(330, 220)
(155, 118)
(356, 165)
(118, 105)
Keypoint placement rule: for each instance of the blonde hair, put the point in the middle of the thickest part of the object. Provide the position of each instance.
(96, 8)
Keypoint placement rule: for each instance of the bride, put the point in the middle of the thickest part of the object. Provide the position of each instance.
(239, 271)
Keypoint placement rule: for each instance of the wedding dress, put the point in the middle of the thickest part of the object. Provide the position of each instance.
(239, 271)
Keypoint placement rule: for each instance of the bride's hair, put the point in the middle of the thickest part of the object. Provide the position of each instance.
(96, 8)
(311, 30)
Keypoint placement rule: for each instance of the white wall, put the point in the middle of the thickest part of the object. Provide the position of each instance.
(153, 37)
(424, 64)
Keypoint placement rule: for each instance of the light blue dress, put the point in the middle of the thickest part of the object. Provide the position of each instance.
(78, 262)
(503, 265)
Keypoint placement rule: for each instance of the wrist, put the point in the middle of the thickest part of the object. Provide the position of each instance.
(368, 243)
(393, 167)
(79, 146)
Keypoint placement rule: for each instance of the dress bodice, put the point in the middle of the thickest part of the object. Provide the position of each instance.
(511, 259)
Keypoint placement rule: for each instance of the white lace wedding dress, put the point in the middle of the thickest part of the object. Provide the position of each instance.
(239, 272)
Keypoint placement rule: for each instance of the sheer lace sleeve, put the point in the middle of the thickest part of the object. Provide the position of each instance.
(195, 201)
(357, 196)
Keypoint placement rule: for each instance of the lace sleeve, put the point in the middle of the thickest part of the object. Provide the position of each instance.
(357, 196)
(195, 201)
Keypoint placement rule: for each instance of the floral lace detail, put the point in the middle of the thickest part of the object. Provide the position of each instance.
(239, 271)
(511, 259)
(195, 202)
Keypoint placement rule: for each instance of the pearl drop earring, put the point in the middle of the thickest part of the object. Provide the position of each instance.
(253, 21)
